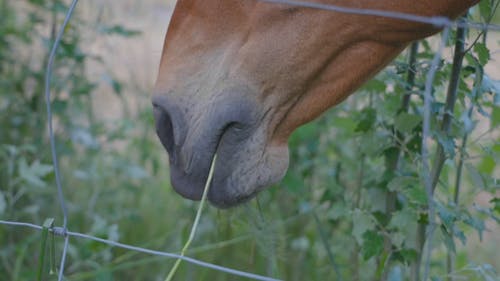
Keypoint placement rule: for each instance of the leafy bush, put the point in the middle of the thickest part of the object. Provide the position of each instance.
(363, 164)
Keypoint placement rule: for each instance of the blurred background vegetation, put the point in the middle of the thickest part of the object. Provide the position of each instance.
(331, 218)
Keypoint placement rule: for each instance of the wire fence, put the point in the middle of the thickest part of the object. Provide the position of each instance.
(437, 21)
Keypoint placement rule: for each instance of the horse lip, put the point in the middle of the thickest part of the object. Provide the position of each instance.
(195, 191)
(189, 165)
(225, 203)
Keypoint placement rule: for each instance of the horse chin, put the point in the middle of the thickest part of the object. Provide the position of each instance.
(239, 174)
(249, 175)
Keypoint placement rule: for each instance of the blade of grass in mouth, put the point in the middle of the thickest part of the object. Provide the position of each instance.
(196, 220)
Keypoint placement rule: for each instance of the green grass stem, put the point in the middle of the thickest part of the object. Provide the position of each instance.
(196, 220)
(41, 258)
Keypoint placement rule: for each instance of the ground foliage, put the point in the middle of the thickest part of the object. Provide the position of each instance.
(348, 209)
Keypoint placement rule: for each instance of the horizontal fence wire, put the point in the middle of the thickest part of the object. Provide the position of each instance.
(61, 232)
(437, 21)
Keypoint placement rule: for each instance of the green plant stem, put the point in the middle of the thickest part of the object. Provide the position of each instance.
(41, 257)
(451, 98)
(450, 260)
(272, 264)
(196, 220)
(425, 173)
(440, 155)
(410, 76)
(419, 242)
(354, 258)
(394, 165)
(327, 246)
(458, 177)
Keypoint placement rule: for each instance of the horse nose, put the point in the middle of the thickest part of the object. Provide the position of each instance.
(168, 125)
(164, 128)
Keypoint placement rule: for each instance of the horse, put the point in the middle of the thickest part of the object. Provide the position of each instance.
(237, 77)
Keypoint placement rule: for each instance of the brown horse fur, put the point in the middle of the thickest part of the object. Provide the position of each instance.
(237, 77)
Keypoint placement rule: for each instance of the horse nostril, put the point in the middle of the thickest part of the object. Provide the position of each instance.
(164, 128)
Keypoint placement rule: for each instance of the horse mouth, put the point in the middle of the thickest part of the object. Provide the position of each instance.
(190, 167)
(246, 162)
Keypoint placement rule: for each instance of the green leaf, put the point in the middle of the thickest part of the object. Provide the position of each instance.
(117, 86)
(114, 83)
(34, 173)
(496, 148)
(496, 204)
(398, 238)
(337, 211)
(447, 217)
(482, 52)
(448, 239)
(347, 123)
(485, 9)
(416, 195)
(475, 223)
(391, 154)
(375, 85)
(476, 177)
(373, 243)
(448, 144)
(361, 223)
(301, 244)
(119, 30)
(59, 105)
(460, 235)
(406, 122)
(400, 183)
(402, 219)
(495, 117)
(406, 255)
(293, 182)
(367, 120)
(487, 165)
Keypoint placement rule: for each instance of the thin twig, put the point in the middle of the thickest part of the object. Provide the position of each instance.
(326, 244)
(426, 174)
(451, 98)
(445, 127)
(462, 154)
